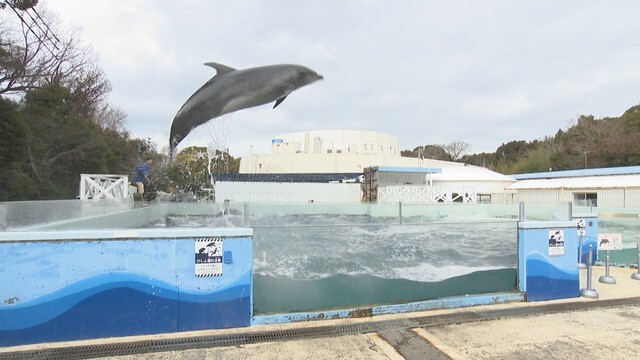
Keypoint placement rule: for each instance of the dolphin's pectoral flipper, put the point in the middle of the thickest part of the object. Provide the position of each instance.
(220, 69)
(279, 101)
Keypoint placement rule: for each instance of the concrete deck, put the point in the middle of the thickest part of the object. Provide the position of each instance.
(608, 327)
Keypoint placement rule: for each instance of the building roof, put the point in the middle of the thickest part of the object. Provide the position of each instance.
(470, 173)
(406, 169)
(624, 170)
(451, 173)
(589, 182)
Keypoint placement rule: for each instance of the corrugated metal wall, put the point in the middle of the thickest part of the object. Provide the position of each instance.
(401, 178)
(608, 198)
(540, 196)
(632, 198)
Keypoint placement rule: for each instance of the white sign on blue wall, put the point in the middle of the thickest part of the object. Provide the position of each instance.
(208, 257)
(556, 242)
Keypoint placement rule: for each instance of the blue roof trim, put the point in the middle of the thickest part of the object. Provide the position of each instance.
(409, 169)
(623, 170)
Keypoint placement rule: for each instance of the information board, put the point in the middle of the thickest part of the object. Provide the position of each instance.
(610, 241)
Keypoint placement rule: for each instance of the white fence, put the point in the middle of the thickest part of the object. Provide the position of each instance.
(426, 194)
(97, 186)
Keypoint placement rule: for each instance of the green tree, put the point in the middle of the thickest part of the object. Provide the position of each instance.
(55, 120)
(189, 171)
(15, 182)
(435, 152)
(193, 166)
(631, 118)
(487, 160)
(587, 142)
(65, 144)
(536, 160)
(222, 162)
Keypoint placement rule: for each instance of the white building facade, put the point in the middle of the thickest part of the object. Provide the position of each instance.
(353, 151)
(606, 187)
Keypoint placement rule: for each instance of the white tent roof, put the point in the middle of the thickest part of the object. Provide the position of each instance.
(591, 182)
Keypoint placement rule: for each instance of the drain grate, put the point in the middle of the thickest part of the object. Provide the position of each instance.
(278, 335)
(175, 344)
(555, 308)
(80, 352)
(449, 319)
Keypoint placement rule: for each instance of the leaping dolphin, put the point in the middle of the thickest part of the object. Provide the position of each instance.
(231, 90)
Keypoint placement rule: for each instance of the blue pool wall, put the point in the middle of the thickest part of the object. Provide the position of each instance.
(73, 285)
(72, 294)
(544, 274)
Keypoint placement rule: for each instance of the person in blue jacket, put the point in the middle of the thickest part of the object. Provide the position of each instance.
(142, 176)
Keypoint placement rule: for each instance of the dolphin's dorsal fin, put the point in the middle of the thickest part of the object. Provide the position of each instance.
(279, 101)
(220, 69)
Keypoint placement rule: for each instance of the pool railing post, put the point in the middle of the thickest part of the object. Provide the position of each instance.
(246, 214)
(636, 275)
(521, 213)
(588, 292)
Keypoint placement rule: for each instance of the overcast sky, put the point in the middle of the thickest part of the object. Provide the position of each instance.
(428, 72)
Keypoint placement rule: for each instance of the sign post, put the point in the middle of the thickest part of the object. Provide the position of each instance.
(609, 242)
(636, 275)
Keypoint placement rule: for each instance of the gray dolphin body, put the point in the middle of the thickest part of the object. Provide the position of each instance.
(231, 90)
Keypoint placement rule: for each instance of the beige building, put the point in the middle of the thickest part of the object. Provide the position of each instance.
(353, 151)
(324, 151)
(331, 151)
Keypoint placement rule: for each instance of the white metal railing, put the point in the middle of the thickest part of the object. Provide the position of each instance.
(100, 186)
(426, 194)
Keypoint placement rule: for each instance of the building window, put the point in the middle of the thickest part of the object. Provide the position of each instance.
(329, 151)
(339, 151)
(484, 199)
(364, 147)
(585, 199)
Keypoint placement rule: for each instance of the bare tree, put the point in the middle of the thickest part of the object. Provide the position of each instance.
(588, 131)
(110, 117)
(40, 53)
(456, 149)
(29, 55)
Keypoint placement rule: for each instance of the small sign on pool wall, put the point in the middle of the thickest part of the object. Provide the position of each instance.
(208, 257)
(556, 242)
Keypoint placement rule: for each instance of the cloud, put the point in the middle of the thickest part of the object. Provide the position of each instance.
(498, 106)
(426, 71)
